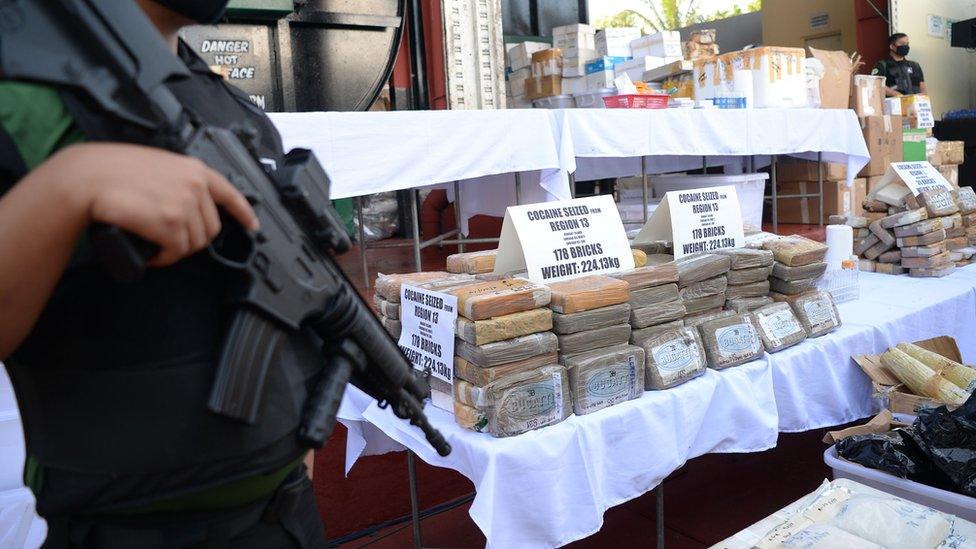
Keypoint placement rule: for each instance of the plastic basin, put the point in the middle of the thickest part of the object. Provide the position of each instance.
(952, 503)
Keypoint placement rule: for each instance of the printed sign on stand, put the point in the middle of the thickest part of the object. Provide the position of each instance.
(903, 178)
(427, 338)
(555, 241)
(696, 220)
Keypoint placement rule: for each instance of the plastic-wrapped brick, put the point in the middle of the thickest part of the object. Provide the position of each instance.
(817, 313)
(640, 335)
(705, 288)
(527, 401)
(509, 350)
(386, 308)
(785, 272)
(744, 305)
(483, 300)
(796, 250)
(748, 258)
(571, 344)
(590, 320)
(756, 289)
(700, 304)
(481, 376)
(604, 377)
(654, 295)
(649, 275)
(392, 326)
(480, 332)
(673, 358)
(778, 327)
(388, 286)
(730, 341)
(792, 287)
(694, 321)
(657, 314)
(738, 277)
(472, 262)
(587, 293)
(699, 267)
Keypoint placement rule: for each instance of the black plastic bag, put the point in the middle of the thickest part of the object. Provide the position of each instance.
(895, 452)
(949, 440)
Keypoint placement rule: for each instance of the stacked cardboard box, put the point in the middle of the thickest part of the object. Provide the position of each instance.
(615, 42)
(578, 44)
(519, 72)
(547, 74)
(799, 264)
(884, 138)
(800, 177)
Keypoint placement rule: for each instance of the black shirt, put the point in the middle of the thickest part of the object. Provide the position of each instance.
(902, 76)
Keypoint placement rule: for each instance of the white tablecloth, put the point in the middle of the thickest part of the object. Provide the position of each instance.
(551, 486)
(371, 152)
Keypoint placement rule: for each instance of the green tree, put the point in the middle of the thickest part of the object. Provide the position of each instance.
(670, 15)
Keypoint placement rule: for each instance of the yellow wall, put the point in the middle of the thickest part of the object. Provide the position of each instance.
(787, 22)
(949, 72)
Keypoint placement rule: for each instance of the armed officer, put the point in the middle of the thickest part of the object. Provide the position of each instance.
(112, 379)
(902, 77)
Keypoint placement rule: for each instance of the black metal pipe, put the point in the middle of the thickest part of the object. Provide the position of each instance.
(584, 12)
(534, 17)
(418, 57)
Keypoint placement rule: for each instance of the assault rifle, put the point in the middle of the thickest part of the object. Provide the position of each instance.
(286, 277)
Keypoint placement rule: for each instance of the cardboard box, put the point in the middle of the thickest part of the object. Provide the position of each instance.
(918, 111)
(867, 95)
(932, 152)
(952, 152)
(605, 63)
(660, 44)
(835, 86)
(545, 86)
(547, 63)
(520, 56)
(615, 42)
(572, 86)
(879, 425)
(838, 200)
(599, 80)
(574, 36)
(883, 136)
(914, 145)
(892, 106)
(894, 396)
(635, 68)
(796, 169)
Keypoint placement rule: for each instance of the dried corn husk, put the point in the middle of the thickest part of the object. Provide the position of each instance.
(673, 358)
(778, 327)
(591, 320)
(730, 341)
(961, 375)
(604, 377)
(817, 313)
(738, 277)
(472, 262)
(509, 350)
(480, 332)
(571, 344)
(920, 379)
(587, 293)
(481, 376)
(796, 250)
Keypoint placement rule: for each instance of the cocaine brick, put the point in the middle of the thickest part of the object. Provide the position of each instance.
(388, 286)
(792, 287)
(932, 273)
(890, 268)
(649, 275)
(817, 313)
(784, 272)
(748, 304)
(778, 327)
(933, 262)
(640, 335)
(592, 319)
(470, 418)
(953, 221)
(966, 200)
(871, 205)
(587, 340)
(700, 304)
(472, 262)
(919, 228)
(923, 251)
(874, 216)
(392, 326)
(657, 314)
(487, 299)
(481, 376)
(738, 277)
(904, 218)
(730, 341)
(386, 308)
(957, 232)
(956, 243)
(874, 251)
(672, 358)
(699, 267)
(756, 289)
(894, 256)
(867, 265)
(938, 202)
(862, 233)
(705, 288)
(654, 295)
(796, 250)
(747, 258)
(884, 235)
(969, 219)
(865, 244)
(509, 350)
(922, 240)
(522, 402)
(694, 321)
(480, 332)
(587, 293)
(602, 378)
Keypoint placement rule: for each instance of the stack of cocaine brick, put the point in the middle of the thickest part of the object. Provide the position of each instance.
(702, 283)
(748, 279)
(928, 238)
(474, 263)
(591, 321)
(506, 355)
(798, 265)
(386, 298)
(655, 304)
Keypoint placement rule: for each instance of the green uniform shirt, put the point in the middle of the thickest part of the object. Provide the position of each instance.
(39, 125)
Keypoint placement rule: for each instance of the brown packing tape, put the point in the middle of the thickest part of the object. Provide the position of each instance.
(880, 423)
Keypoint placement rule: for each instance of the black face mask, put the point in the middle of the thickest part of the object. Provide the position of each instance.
(205, 12)
(902, 50)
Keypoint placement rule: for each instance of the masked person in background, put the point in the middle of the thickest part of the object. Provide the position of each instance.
(902, 77)
(112, 379)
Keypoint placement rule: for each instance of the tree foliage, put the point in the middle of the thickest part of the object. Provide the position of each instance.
(671, 14)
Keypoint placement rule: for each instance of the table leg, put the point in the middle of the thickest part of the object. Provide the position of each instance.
(416, 229)
(644, 186)
(362, 240)
(572, 185)
(414, 503)
(659, 514)
(775, 201)
(820, 186)
(518, 188)
(457, 215)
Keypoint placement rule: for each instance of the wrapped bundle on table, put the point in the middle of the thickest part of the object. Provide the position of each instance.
(472, 262)
(817, 313)
(798, 265)
(702, 282)
(730, 341)
(581, 301)
(655, 302)
(605, 377)
(515, 404)
(672, 358)
(748, 278)
(387, 293)
(778, 327)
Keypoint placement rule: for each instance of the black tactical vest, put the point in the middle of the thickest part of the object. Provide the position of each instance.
(113, 381)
